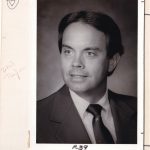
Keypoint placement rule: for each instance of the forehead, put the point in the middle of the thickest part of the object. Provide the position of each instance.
(79, 33)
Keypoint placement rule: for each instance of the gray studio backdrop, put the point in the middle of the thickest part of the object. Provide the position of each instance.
(49, 14)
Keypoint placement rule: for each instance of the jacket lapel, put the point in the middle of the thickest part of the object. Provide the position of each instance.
(122, 115)
(70, 128)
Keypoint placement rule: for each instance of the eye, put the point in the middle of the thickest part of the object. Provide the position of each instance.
(91, 53)
(67, 52)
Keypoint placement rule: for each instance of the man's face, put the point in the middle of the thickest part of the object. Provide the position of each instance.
(84, 58)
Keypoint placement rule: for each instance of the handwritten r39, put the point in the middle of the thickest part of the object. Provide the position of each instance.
(80, 147)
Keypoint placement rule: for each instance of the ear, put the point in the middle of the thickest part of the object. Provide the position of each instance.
(113, 62)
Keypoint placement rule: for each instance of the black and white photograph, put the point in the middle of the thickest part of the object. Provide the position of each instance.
(87, 72)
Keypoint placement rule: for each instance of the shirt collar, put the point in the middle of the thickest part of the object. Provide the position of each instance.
(81, 104)
(104, 101)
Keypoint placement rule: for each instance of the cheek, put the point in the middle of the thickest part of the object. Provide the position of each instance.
(98, 68)
(65, 65)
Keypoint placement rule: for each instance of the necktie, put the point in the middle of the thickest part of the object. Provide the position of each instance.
(101, 133)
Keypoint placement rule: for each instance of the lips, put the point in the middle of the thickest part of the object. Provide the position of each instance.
(78, 76)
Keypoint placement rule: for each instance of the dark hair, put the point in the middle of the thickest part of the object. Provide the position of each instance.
(99, 21)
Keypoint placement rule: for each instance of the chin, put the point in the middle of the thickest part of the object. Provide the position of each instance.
(78, 88)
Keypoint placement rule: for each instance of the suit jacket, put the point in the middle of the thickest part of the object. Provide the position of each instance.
(58, 120)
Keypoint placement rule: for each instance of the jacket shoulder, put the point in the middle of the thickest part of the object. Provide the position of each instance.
(47, 103)
(120, 99)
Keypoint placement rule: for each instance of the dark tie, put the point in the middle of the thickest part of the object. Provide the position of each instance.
(101, 133)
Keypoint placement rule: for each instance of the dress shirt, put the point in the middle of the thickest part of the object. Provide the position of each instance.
(86, 117)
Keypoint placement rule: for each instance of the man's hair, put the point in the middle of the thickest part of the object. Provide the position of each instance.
(101, 22)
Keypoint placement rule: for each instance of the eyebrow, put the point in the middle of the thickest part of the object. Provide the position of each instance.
(66, 46)
(92, 48)
(86, 49)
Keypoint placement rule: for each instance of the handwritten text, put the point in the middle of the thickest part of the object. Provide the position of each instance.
(10, 70)
(80, 147)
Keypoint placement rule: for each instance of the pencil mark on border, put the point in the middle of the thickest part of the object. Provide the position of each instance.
(12, 4)
(147, 145)
(147, 14)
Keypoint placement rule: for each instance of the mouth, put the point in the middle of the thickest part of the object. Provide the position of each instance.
(78, 75)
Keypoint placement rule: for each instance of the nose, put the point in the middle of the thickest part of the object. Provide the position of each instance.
(78, 62)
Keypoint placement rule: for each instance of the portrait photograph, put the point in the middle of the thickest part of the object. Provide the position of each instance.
(87, 72)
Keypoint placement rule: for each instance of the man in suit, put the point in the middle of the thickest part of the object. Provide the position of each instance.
(84, 110)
